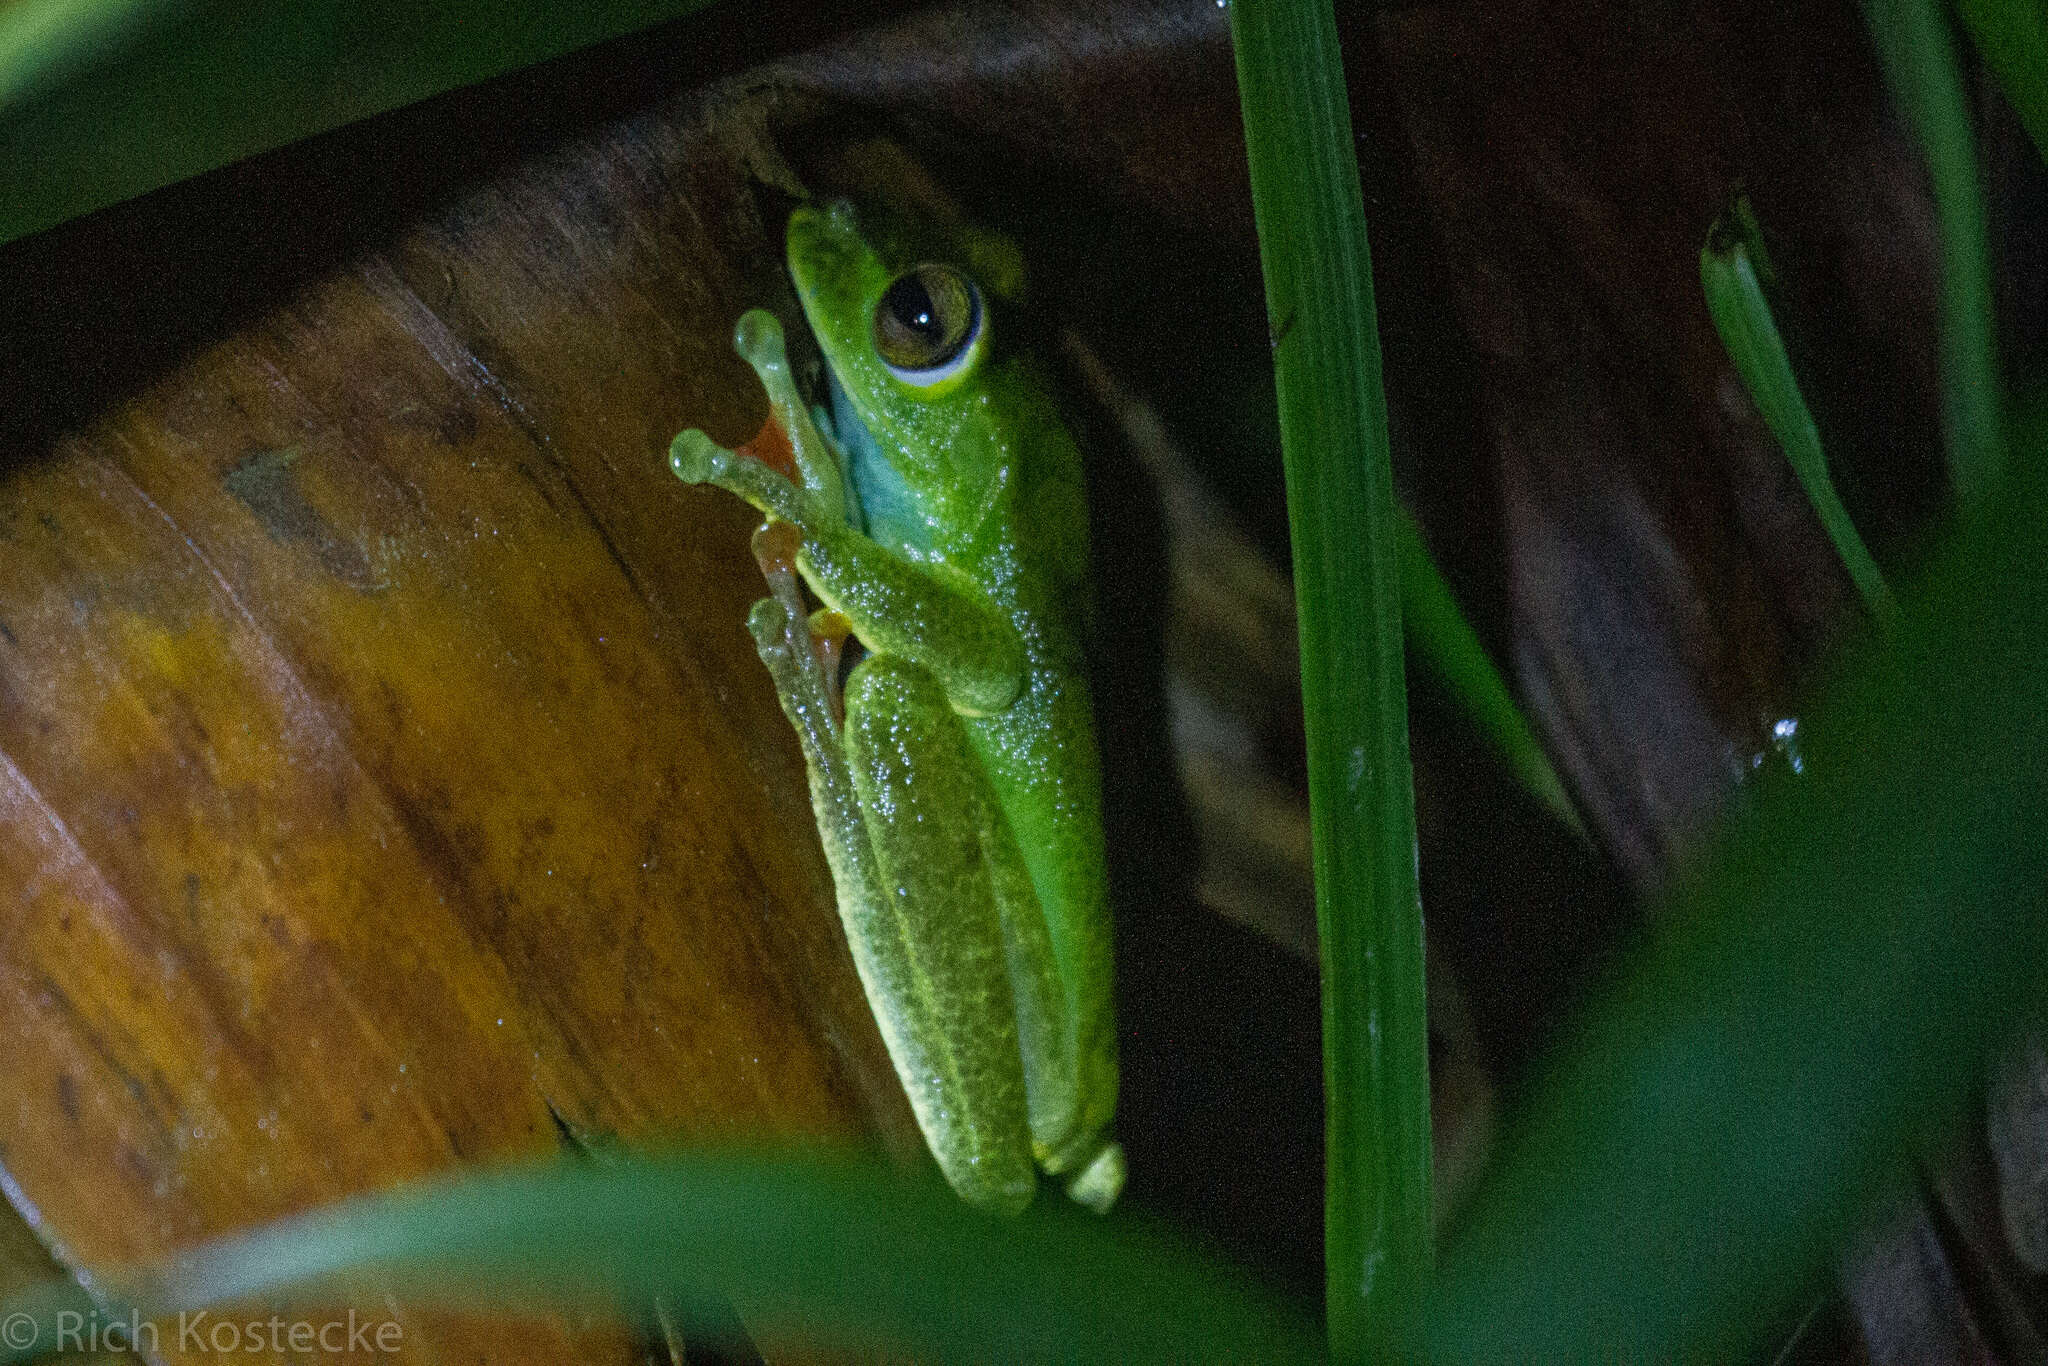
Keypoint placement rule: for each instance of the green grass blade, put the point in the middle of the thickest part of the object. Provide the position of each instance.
(1816, 1009)
(141, 105)
(1743, 318)
(2012, 37)
(831, 1252)
(1447, 642)
(1919, 58)
(1340, 504)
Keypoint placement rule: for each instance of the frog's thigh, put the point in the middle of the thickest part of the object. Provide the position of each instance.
(937, 743)
(930, 615)
(926, 802)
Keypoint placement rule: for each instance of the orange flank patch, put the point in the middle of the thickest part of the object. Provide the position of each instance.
(771, 447)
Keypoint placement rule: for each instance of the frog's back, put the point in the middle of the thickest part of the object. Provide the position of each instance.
(1041, 753)
(1052, 513)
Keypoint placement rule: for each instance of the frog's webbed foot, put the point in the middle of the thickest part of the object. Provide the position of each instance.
(696, 459)
(775, 547)
(805, 670)
(816, 498)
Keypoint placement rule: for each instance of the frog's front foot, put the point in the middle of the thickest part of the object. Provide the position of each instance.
(697, 459)
(791, 471)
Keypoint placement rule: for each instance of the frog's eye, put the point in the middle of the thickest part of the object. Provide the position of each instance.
(926, 324)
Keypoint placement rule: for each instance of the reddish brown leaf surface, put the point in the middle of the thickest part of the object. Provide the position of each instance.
(388, 780)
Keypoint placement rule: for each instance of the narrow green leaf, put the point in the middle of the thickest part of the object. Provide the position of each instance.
(2012, 37)
(1816, 1007)
(101, 100)
(832, 1252)
(1742, 316)
(1919, 57)
(1341, 512)
(1447, 642)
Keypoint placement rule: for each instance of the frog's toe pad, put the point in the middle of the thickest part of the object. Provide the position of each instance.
(1101, 1180)
(757, 337)
(697, 459)
(769, 625)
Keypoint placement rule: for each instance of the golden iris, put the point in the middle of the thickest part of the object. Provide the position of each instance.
(925, 319)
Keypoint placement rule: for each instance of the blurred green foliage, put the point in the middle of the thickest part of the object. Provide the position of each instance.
(1924, 70)
(1815, 1010)
(805, 1246)
(101, 100)
(2012, 37)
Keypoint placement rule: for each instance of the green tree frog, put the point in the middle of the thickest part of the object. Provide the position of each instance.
(956, 785)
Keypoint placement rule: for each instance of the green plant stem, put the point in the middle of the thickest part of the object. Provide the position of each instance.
(1919, 58)
(1341, 512)
(1743, 317)
(1445, 639)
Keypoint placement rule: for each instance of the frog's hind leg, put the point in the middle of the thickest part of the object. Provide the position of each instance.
(809, 697)
(933, 969)
(890, 972)
(966, 900)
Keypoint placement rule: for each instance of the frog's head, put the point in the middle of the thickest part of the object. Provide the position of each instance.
(900, 303)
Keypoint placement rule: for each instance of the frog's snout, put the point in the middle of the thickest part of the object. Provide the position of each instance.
(820, 230)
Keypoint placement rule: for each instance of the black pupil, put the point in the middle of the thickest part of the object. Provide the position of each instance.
(912, 304)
